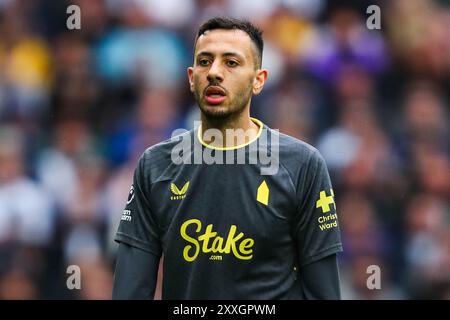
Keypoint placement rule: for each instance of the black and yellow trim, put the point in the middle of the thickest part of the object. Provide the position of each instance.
(256, 121)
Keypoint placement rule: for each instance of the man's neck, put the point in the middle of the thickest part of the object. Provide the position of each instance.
(233, 132)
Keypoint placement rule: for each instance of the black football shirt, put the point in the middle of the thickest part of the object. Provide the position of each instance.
(230, 230)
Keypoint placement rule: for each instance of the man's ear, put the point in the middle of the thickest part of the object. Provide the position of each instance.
(260, 79)
(190, 72)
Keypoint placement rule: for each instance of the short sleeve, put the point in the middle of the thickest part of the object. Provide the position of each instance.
(138, 227)
(316, 232)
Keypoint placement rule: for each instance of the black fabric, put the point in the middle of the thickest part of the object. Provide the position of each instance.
(222, 236)
(320, 280)
(135, 274)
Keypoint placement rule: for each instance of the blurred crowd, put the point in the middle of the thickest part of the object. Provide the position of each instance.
(78, 107)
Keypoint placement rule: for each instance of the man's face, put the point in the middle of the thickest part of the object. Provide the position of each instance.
(224, 75)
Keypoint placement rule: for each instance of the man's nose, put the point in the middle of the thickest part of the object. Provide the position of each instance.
(215, 73)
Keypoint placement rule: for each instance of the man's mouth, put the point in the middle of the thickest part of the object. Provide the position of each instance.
(215, 95)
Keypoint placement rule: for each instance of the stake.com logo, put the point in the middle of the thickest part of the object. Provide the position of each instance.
(211, 242)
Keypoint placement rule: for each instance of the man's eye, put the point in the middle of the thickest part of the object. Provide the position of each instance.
(203, 62)
(232, 63)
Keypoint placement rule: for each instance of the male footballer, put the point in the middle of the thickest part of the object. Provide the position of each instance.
(229, 230)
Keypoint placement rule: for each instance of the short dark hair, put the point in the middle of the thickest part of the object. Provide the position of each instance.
(231, 23)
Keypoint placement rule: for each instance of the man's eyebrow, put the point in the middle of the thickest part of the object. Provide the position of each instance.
(225, 54)
(205, 53)
(233, 54)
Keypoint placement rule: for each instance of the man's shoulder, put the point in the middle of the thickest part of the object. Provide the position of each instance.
(158, 157)
(293, 149)
(163, 149)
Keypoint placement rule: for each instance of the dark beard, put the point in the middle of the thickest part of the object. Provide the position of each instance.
(219, 114)
(213, 115)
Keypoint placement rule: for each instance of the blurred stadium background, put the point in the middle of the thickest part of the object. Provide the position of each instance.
(77, 107)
